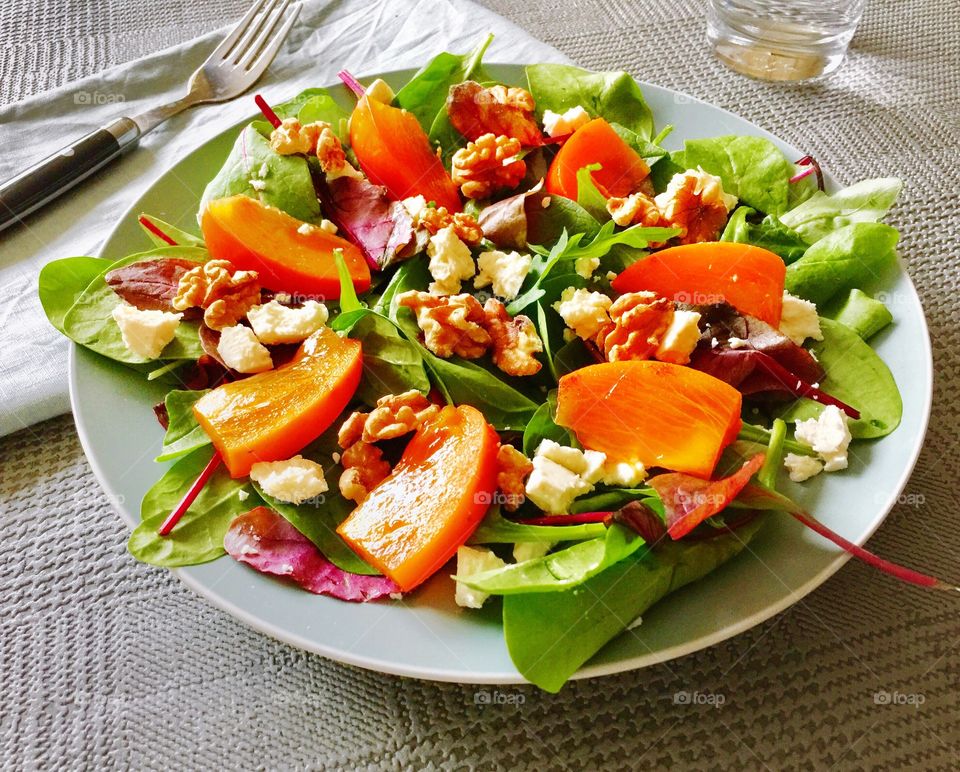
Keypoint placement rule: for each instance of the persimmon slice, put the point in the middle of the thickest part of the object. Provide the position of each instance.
(414, 521)
(661, 414)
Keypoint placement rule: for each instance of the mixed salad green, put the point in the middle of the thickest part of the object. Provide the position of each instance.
(502, 322)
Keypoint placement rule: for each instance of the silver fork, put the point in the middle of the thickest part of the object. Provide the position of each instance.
(233, 67)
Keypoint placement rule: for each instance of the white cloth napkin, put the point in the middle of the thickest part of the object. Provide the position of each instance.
(364, 36)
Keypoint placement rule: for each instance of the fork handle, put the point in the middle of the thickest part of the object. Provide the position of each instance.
(56, 174)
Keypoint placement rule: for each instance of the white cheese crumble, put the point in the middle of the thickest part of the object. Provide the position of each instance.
(345, 170)
(242, 495)
(799, 320)
(624, 474)
(379, 91)
(145, 333)
(329, 226)
(450, 262)
(583, 311)
(472, 561)
(294, 480)
(560, 124)
(802, 468)
(680, 339)
(414, 205)
(737, 342)
(504, 271)
(829, 435)
(241, 351)
(530, 550)
(560, 474)
(274, 322)
(258, 185)
(585, 266)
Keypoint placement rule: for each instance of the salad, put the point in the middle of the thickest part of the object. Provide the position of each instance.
(499, 332)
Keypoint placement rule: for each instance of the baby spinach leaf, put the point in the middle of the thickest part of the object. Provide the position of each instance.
(496, 529)
(198, 537)
(391, 363)
(550, 635)
(822, 213)
(286, 179)
(180, 237)
(857, 376)
(770, 234)
(542, 426)
(573, 356)
(751, 168)
(611, 499)
(855, 255)
(61, 282)
(560, 570)
(184, 434)
(322, 107)
(649, 149)
(425, 95)
(863, 314)
(546, 225)
(662, 172)
(89, 321)
(292, 107)
(615, 96)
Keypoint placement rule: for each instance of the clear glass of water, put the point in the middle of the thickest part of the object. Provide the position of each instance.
(780, 39)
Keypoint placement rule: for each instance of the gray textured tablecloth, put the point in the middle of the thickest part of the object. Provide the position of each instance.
(106, 662)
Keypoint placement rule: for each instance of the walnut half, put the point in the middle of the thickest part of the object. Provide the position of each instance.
(224, 293)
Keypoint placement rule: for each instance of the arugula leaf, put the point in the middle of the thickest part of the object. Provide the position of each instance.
(855, 255)
(649, 149)
(184, 434)
(857, 376)
(348, 293)
(496, 529)
(863, 314)
(560, 570)
(614, 96)
(751, 168)
(821, 214)
(588, 196)
(287, 184)
(770, 234)
(180, 236)
(89, 321)
(550, 635)
(198, 537)
(61, 282)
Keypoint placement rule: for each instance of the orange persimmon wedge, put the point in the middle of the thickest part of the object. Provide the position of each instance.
(394, 151)
(747, 277)
(661, 414)
(287, 256)
(414, 521)
(622, 171)
(273, 415)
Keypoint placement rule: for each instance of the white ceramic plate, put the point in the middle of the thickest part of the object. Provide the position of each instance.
(426, 635)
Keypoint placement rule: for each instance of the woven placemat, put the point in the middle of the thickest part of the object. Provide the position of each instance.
(107, 662)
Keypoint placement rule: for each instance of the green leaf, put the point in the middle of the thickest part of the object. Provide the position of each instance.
(425, 95)
(852, 256)
(292, 107)
(770, 234)
(322, 107)
(546, 226)
(184, 434)
(348, 293)
(588, 196)
(751, 168)
(89, 321)
(560, 570)
(496, 529)
(821, 214)
(614, 96)
(650, 150)
(287, 184)
(857, 376)
(611, 499)
(391, 363)
(863, 314)
(61, 282)
(181, 237)
(550, 635)
(542, 426)
(198, 537)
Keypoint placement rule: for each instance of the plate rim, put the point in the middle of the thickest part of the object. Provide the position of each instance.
(437, 674)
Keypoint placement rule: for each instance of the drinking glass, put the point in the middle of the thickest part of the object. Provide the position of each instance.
(782, 40)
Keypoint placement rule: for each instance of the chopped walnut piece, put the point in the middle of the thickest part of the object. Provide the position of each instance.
(352, 429)
(224, 293)
(475, 111)
(694, 201)
(635, 209)
(464, 225)
(396, 415)
(512, 470)
(639, 320)
(484, 166)
(364, 468)
(293, 137)
(329, 151)
(451, 324)
(515, 341)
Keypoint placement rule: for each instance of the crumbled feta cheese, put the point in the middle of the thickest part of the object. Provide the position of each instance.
(585, 266)
(530, 550)
(799, 320)
(472, 561)
(595, 467)
(264, 170)
(802, 467)
(328, 226)
(583, 311)
(241, 351)
(680, 339)
(414, 205)
(379, 91)
(258, 185)
(294, 480)
(560, 124)
(450, 262)
(708, 186)
(274, 322)
(829, 435)
(344, 170)
(624, 474)
(505, 271)
(242, 495)
(145, 333)
(737, 343)
(306, 229)
(561, 474)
